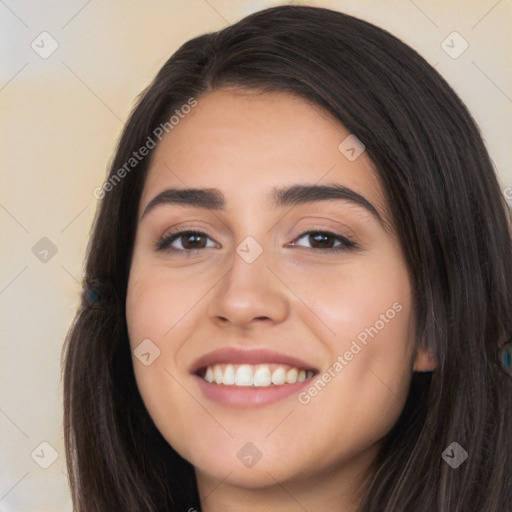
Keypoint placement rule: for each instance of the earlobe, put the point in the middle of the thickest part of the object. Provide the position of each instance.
(425, 360)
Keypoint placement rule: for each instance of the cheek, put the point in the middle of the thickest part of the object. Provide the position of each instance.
(367, 323)
(159, 303)
(356, 295)
(358, 398)
(162, 306)
(156, 312)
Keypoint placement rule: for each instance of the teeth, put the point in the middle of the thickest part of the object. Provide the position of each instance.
(209, 374)
(229, 375)
(291, 376)
(279, 376)
(243, 376)
(217, 374)
(262, 375)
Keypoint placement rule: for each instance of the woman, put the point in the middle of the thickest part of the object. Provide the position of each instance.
(296, 288)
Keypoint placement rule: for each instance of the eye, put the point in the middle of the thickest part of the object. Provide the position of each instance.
(326, 241)
(186, 241)
(189, 240)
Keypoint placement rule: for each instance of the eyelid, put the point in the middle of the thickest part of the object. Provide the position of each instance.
(192, 225)
(164, 242)
(327, 225)
(346, 242)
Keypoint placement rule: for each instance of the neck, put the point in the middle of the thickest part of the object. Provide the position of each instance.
(336, 488)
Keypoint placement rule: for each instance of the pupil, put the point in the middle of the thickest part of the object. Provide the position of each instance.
(191, 239)
(321, 239)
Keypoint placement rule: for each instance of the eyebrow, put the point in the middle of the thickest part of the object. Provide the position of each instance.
(213, 199)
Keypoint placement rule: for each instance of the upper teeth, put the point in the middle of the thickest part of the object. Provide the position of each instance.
(255, 375)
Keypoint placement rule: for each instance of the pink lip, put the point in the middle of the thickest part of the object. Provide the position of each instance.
(234, 396)
(253, 356)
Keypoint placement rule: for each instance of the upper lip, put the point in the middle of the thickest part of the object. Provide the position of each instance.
(253, 356)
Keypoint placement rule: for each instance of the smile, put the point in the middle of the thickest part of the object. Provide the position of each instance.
(259, 375)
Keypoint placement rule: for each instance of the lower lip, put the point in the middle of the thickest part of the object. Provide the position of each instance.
(248, 396)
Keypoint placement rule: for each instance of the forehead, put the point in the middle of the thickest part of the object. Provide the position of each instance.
(247, 142)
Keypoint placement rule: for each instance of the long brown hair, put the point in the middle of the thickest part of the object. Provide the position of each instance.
(454, 229)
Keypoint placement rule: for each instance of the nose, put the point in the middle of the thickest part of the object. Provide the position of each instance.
(249, 294)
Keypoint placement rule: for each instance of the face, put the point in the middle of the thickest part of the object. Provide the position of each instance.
(295, 301)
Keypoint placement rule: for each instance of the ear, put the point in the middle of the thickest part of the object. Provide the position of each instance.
(425, 361)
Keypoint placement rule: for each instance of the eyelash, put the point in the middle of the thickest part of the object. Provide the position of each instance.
(346, 244)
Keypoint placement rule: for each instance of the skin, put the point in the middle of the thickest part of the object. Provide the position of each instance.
(298, 300)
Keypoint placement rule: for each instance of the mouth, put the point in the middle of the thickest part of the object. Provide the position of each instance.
(242, 378)
(254, 375)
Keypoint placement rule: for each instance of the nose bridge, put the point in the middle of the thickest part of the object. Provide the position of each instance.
(249, 275)
(252, 250)
(249, 290)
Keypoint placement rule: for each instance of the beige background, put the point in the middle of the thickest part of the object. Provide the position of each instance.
(61, 117)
